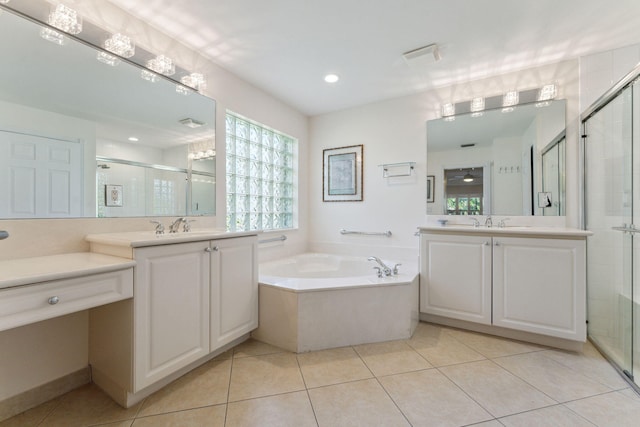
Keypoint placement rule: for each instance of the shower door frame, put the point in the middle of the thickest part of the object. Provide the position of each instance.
(627, 81)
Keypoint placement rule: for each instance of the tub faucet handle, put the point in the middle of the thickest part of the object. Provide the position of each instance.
(395, 269)
(379, 272)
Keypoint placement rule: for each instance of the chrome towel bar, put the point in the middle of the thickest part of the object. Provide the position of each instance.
(274, 239)
(367, 233)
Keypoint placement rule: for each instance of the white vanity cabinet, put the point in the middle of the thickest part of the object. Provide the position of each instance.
(531, 282)
(191, 299)
(234, 289)
(539, 286)
(171, 309)
(455, 276)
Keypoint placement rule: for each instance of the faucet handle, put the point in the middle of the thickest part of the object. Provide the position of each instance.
(476, 223)
(159, 226)
(379, 271)
(395, 269)
(187, 227)
(502, 224)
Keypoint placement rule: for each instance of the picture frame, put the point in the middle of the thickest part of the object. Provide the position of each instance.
(113, 195)
(342, 174)
(431, 181)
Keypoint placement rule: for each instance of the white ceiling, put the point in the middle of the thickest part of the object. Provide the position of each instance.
(286, 47)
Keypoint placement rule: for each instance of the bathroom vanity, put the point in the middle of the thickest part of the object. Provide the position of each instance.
(501, 280)
(195, 296)
(41, 288)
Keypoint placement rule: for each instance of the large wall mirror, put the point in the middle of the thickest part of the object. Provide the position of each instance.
(80, 138)
(500, 162)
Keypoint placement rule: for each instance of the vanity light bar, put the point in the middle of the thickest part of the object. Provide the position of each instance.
(506, 102)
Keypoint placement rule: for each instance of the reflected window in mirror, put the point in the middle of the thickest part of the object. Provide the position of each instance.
(464, 191)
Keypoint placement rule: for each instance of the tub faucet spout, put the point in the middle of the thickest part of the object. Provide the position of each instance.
(385, 268)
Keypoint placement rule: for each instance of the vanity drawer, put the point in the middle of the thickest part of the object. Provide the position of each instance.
(32, 303)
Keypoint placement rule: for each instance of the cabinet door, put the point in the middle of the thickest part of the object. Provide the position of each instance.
(455, 277)
(234, 289)
(171, 298)
(539, 286)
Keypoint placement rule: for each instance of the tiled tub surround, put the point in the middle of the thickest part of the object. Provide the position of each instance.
(440, 377)
(319, 301)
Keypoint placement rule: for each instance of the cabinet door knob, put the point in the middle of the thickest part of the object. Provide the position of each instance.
(497, 243)
(486, 243)
(213, 249)
(53, 300)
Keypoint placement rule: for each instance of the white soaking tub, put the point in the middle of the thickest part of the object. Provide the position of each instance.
(318, 301)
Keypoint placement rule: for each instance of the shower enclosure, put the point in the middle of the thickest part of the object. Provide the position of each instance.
(611, 147)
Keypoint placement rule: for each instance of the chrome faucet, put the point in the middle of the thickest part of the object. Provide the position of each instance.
(476, 223)
(488, 222)
(385, 268)
(175, 225)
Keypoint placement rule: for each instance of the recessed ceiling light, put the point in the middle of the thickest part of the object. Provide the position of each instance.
(331, 78)
(133, 139)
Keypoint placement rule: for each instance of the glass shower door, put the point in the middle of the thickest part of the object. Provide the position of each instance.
(609, 214)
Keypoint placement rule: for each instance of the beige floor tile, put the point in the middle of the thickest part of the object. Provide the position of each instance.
(264, 376)
(253, 347)
(553, 416)
(360, 403)
(608, 410)
(430, 398)
(283, 410)
(589, 363)
(33, 416)
(551, 377)
(393, 357)
(495, 389)
(334, 366)
(127, 423)
(211, 416)
(490, 346)
(88, 405)
(204, 386)
(630, 393)
(492, 423)
(443, 349)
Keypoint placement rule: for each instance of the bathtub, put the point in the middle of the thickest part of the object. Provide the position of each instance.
(318, 301)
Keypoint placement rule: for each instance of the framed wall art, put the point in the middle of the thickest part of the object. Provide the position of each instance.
(342, 174)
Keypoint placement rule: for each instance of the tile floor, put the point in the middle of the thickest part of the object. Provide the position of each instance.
(440, 377)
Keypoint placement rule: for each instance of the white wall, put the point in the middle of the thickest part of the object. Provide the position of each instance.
(395, 131)
(601, 71)
(22, 366)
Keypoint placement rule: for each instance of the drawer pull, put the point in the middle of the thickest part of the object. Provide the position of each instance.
(53, 300)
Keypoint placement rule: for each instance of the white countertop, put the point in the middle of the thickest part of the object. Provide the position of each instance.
(515, 231)
(26, 271)
(138, 239)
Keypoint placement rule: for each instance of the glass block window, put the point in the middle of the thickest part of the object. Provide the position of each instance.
(164, 197)
(260, 176)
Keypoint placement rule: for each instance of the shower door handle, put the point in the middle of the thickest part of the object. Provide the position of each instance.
(627, 228)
